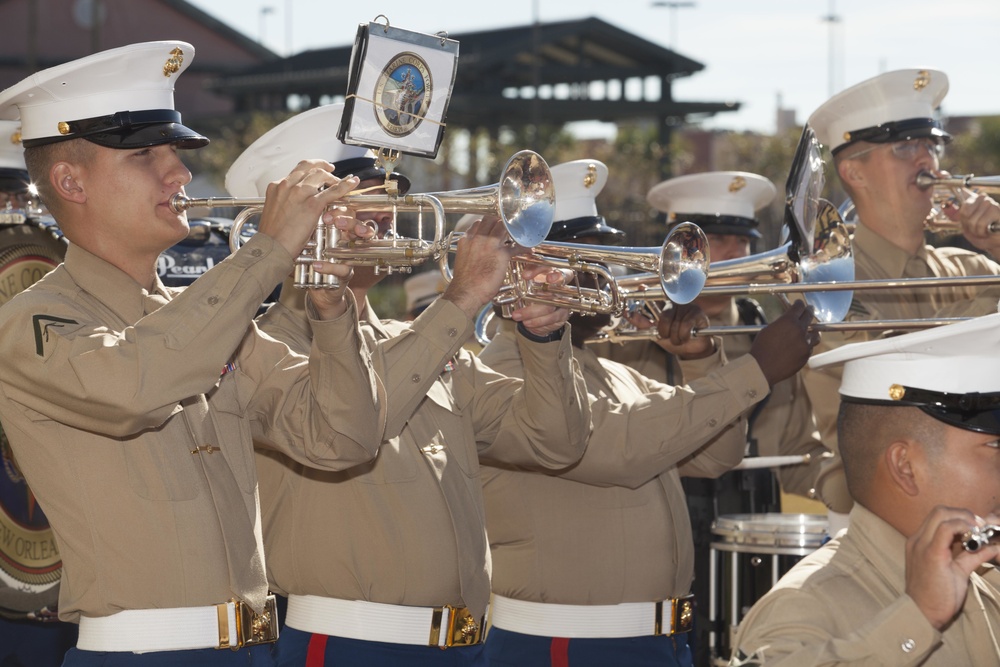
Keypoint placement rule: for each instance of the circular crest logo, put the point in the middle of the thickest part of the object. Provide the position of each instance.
(403, 94)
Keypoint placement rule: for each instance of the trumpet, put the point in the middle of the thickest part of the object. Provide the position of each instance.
(945, 191)
(524, 199)
(680, 264)
(824, 276)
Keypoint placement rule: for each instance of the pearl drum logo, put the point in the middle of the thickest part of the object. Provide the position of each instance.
(403, 94)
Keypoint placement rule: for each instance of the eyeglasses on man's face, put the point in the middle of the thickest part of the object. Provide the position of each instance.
(908, 150)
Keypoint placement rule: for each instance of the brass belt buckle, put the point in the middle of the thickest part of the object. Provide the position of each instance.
(680, 616)
(251, 628)
(462, 628)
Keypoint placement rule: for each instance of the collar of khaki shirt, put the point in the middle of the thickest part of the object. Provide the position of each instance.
(891, 258)
(109, 284)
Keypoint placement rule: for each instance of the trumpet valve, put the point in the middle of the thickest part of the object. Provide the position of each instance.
(979, 537)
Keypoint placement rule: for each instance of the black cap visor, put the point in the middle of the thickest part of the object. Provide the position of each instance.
(720, 224)
(129, 129)
(365, 168)
(972, 412)
(902, 130)
(586, 227)
(14, 180)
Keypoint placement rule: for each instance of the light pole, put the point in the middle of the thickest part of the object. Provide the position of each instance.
(673, 6)
(264, 12)
(833, 20)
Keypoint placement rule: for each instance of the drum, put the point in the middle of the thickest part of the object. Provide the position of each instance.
(30, 566)
(749, 553)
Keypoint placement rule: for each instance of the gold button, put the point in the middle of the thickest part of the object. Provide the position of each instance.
(452, 332)
(415, 379)
(63, 127)
(752, 393)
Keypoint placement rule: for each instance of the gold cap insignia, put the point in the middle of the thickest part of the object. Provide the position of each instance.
(16, 137)
(63, 127)
(922, 81)
(847, 136)
(173, 64)
(738, 184)
(591, 176)
(897, 392)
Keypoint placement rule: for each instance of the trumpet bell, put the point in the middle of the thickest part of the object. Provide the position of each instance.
(527, 198)
(684, 261)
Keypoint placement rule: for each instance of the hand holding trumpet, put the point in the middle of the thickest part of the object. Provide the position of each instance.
(481, 264)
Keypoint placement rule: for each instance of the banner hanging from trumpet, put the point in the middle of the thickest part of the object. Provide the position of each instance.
(398, 90)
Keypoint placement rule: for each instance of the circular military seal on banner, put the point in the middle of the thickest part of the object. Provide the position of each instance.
(403, 94)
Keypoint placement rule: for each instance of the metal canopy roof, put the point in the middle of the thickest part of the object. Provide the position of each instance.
(499, 72)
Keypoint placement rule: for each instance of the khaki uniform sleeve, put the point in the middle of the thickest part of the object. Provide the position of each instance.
(121, 382)
(547, 422)
(790, 628)
(64, 360)
(321, 417)
(643, 437)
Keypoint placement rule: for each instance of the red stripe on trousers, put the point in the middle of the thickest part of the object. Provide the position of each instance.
(559, 652)
(316, 655)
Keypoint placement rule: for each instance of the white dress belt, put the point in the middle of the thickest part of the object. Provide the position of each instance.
(228, 625)
(628, 619)
(379, 622)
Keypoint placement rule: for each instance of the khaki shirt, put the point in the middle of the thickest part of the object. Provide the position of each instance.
(614, 528)
(845, 604)
(409, 528)
(135, 435)
(784, 426)
(877, 258)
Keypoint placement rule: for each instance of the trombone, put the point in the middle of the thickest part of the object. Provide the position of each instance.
(680, 264)
(820, 277)
(524, 199)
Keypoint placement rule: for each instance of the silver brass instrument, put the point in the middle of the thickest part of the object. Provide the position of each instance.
(679, 264)
(824, 277)
(979, 537)
(945, 191)
(524, 199)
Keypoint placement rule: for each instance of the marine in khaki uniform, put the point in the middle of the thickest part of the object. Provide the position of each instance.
(919, 441)
(593, 565)
(131, 407)
(379, 561)
(883, 134)
(725, 205)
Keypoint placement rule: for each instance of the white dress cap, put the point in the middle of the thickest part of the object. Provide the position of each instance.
(11, 150)
(577, 185)
(121, 98)
(720, 193)
(311, 134)
(891, 107)
(958, 359)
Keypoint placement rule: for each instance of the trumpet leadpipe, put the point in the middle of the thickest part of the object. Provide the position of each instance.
(925, 179)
